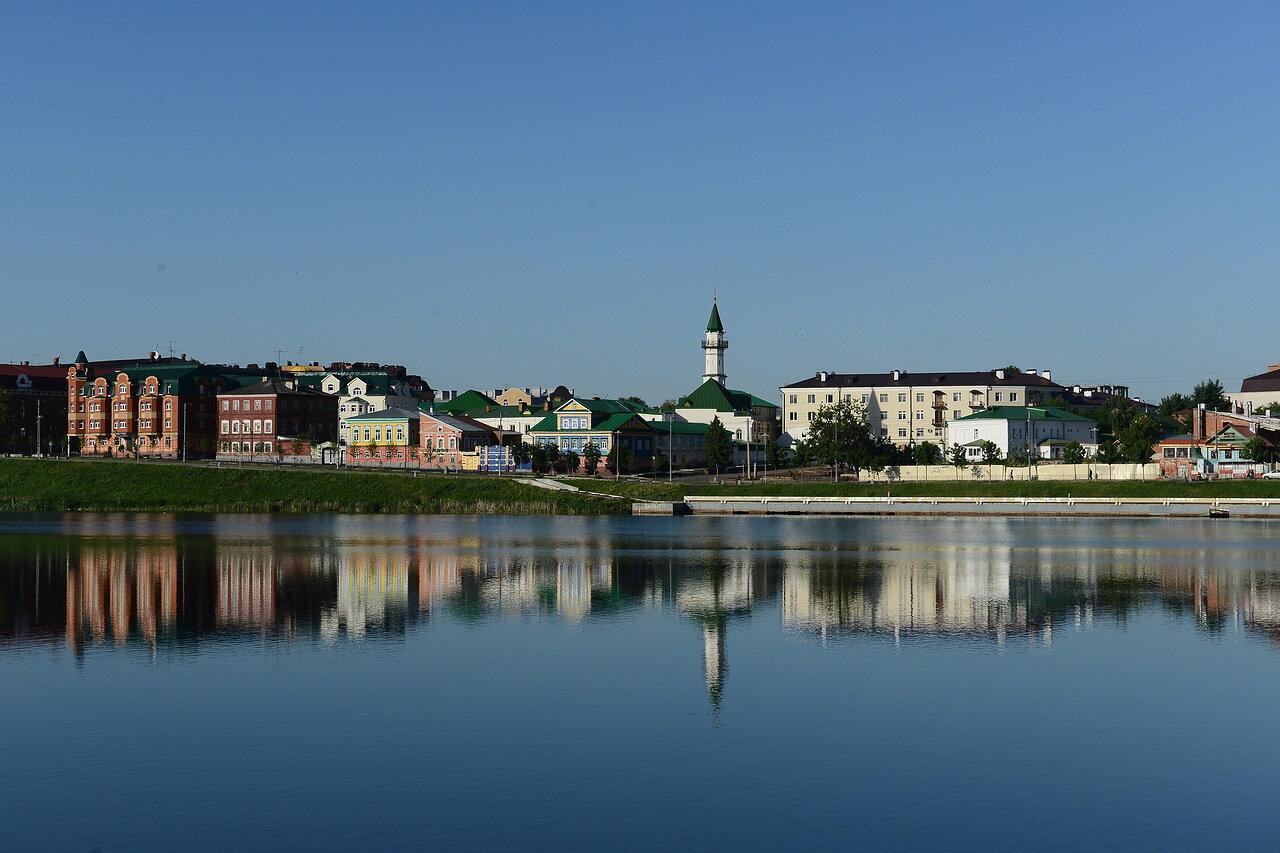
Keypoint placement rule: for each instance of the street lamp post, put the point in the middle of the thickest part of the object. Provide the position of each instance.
(185, 406)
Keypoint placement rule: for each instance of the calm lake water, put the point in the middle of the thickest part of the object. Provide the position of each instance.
(339, 682)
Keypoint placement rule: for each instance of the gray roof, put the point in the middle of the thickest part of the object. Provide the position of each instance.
(458, 423)
(905, 379)
(385, 415)
(278, 386)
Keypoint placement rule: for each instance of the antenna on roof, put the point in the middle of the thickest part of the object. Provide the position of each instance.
(171, 343)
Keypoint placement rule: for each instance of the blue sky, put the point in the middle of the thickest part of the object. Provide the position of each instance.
(538, 193)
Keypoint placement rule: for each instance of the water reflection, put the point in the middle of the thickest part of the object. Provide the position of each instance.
(163, 582)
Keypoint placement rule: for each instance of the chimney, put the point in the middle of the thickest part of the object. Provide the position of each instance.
(183, 356)
(999, 374)
(822, 377)
(1198, 418)
(897, 374)
(1031, 372)
(155, 356)
(57, 359)
(1048, 374)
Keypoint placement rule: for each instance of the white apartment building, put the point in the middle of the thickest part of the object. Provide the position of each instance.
(910, 407)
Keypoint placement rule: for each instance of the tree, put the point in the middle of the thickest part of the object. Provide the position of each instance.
(591, 457)
(639, 401)
(1137, 437)
(776, 456)
(668, 405)
(1258, 450)
(927, 453)
(1012, 368)
(1115, 414)
(620, 458)
(990, 453)
(1173, 403)
(839, 435)
(1110, 452)
(1073, 453)
(958, 455)
(522, 453)
(572, 462)
(1210, 393)
(717, 445)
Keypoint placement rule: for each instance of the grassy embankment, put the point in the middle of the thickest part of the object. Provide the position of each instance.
(1002, 489)
(28, 485)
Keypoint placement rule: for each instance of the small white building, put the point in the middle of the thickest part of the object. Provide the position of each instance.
(1045, 430)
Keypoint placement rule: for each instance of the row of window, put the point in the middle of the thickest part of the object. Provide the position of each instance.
(956, 397)
(257, 427)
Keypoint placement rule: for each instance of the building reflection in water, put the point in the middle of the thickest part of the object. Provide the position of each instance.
(167, 590)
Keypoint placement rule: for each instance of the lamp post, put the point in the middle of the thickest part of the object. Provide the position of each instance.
(38, 419)
(184, 430)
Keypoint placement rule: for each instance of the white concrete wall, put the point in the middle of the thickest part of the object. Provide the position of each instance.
(979, 472)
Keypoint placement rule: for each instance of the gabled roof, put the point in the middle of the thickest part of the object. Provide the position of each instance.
(459, 422)
(467, 401)
(712, 395)
(1023, 413)
(602, 406)
(612, 423)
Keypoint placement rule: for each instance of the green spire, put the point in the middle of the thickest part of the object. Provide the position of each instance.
(80, 358)
(714, 324)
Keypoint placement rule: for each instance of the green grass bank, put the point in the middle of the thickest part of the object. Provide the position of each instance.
(1001, 489)
(30, 485)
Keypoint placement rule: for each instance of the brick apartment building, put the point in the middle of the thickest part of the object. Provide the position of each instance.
(275, 418)
(160, 408)
(33, 408)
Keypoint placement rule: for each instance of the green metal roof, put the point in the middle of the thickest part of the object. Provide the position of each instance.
(714, 324)
(468, 401)
(679, 427)
(1023, 413)
(712, 395)
(386, 415)
(81, 358)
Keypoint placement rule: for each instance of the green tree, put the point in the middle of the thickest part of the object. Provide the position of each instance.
(776, 456)
(639, 401)
(1073, 453)
(1210, 393)
(990, 453)
(668, 405)
(1110, 452)
(1173, 403)
(927, 453)
(1258, 450)
(717, 446)
(591, 457)
(1012, 368)
(522, 453)
(958, 455)
(840, 435)
(620, 458)
(1137, 437)
(572, 462)
(802, 454)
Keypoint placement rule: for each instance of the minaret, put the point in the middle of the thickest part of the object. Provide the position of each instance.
(715, 343)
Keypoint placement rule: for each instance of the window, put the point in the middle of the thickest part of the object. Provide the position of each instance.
(791, 416)
(919, 398)
(919, 433)
(955, 413)
(999, 397)
(884, 398)
(866, 398)
(884, 433)
(168, 405)
(831, 398)
(453, 442)
(225, 428)
(902, 433)
(266, 446)
(235, 405)
(902, 398)
(812, 398)
(811, 416)
(919, 415)
(884, 416)
(1168, 453)
(266, 426)
(955, 397)
(1013, 396)
(793, 398)
(257, 405)
(902, 416)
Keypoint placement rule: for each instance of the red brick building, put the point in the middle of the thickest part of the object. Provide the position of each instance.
(33, 408)
(275, 419)
(158, 409)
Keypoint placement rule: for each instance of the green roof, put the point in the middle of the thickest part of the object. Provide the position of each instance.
(467, 401)
(712, 395)
(386, 415)
(714, 324)
(1023, 413)
(679, 427)
(81, 358)
(610, 424)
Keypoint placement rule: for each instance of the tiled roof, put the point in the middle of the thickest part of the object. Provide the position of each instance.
(975, 378)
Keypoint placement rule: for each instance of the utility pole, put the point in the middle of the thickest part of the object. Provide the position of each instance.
(38, 418)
